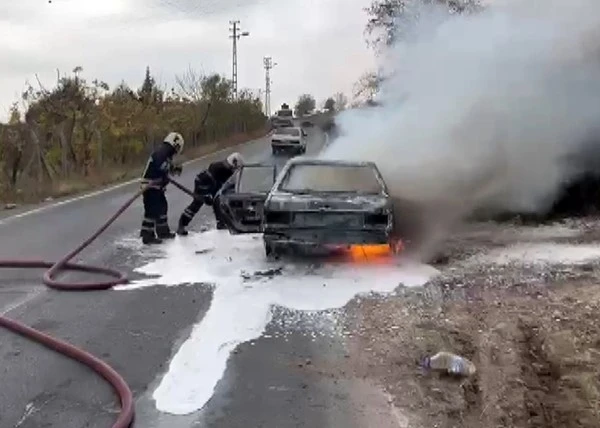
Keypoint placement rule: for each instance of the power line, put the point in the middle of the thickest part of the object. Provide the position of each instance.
(236, 34)
(268, 64)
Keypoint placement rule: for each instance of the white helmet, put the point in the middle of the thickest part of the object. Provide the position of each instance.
(175, 139)
(235, 160)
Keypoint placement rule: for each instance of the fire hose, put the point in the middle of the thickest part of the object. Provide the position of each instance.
(126, 416)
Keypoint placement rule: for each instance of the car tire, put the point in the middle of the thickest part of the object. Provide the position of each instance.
(274, 150)
(271, 250)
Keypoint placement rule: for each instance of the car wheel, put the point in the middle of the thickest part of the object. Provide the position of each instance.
(274, 150)
(268, 249)
(271, 250)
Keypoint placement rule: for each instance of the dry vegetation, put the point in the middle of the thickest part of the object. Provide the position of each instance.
(532, 329)
(78, 134)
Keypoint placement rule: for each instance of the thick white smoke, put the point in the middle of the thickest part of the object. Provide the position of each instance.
(480, 111)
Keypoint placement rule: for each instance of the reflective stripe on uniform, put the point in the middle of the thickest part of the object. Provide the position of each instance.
(148, 224)
(149, 184)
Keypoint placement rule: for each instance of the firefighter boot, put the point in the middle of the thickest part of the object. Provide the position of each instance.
(162, 228)
(181, 231)
(149, 238)
(147, 233)
(218, 217)
(163, 232)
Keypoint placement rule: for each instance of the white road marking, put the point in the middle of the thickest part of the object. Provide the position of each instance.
(21, 301)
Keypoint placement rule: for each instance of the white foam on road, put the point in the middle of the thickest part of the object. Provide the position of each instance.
(241, 305)
(547, 253)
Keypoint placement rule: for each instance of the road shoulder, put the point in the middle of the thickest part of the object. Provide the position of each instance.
(521, 303)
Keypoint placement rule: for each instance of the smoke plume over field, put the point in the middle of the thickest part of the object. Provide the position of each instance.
(480, 111)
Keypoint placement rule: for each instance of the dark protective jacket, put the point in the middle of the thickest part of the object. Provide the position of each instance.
(159, 165)
(209, 181)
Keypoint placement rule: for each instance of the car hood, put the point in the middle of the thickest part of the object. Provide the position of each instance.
(327, 202)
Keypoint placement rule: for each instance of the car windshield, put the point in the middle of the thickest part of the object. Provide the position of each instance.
(285, 113)
(309, 178)
(294, 132)
(256, 179)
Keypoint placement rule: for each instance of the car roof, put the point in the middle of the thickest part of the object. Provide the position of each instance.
(258, 164)
(304, 160)
(332, 162)
(290, 127)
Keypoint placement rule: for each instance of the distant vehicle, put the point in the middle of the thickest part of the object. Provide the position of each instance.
(320, 204)
(307, 124)
(282, 123)
(285, 112)
(283, 117)
(242, 198)
(289, 139)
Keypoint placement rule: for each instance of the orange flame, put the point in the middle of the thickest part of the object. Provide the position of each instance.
(373, 253)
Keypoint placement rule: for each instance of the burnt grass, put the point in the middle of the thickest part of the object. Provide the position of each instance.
(536, 348)
(533, 332)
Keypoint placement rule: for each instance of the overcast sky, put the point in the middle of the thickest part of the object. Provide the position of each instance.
(318, 45)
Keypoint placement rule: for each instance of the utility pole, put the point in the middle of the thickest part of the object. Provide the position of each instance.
(236, 33)
(268, 64)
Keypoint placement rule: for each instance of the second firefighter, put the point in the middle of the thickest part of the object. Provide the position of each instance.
(206, 185)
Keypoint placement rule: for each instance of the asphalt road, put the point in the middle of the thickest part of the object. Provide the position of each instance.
(138, 331)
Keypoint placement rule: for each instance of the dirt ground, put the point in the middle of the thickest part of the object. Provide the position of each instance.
(532, 328)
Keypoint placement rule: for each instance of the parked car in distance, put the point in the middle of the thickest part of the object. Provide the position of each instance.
(289, 139)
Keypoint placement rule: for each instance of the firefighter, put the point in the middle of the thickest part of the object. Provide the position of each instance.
(155, 225)
(206, 185)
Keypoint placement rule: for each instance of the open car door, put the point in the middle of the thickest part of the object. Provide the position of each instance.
(242, 202)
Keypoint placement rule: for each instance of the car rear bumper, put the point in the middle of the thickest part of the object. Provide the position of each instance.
(320, 237)
(286, 145)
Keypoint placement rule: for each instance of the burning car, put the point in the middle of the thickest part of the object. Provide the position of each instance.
(242, 198)
(326, 204)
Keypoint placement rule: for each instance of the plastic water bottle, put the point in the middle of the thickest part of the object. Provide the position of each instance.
(450, 363)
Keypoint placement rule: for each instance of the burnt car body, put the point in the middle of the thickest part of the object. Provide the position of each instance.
(326, 204)
(242, 198)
